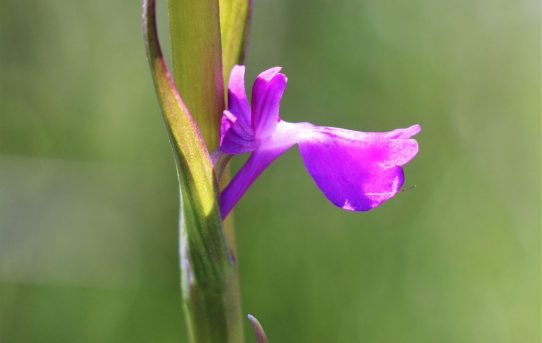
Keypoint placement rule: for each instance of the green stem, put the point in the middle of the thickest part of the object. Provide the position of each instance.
(209, 276)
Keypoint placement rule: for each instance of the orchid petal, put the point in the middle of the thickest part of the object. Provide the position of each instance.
(357, 174)
(236, 137)
(393, 134)
(266, 95)
(237, 96)
(351, 134)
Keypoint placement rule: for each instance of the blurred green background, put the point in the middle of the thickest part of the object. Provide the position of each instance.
(88, 198)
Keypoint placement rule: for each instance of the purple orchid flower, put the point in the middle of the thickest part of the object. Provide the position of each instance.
(356, 171)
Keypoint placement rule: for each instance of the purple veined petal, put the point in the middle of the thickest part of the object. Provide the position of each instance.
(236, 137)
(266, 95)
(357, 174)
(237, 96)
(255, 165)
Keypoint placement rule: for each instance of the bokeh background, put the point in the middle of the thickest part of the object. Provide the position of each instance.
(88, 199)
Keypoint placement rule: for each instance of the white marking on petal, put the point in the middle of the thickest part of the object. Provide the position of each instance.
(348, 206)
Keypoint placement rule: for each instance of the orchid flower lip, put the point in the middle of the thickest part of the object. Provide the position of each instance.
(355, 170)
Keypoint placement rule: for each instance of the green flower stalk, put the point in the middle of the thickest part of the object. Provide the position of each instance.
(208, 268)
